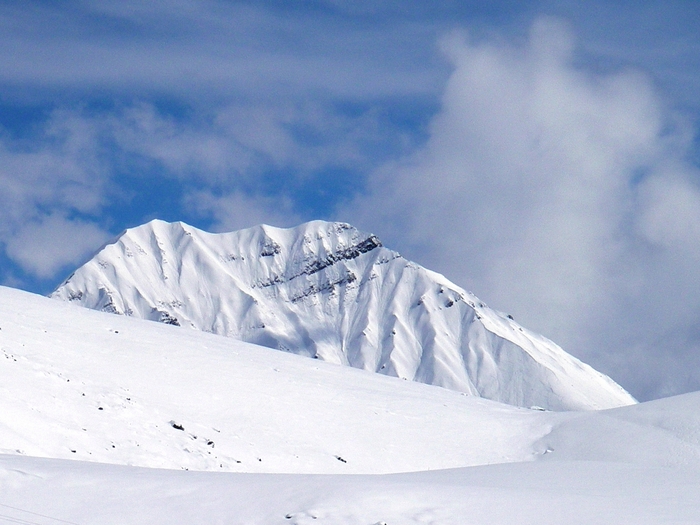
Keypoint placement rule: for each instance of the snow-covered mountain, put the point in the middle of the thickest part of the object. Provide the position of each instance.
(328, 291)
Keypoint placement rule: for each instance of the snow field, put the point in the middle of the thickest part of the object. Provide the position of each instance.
(533, 493)
(79, 384)
(317, 443)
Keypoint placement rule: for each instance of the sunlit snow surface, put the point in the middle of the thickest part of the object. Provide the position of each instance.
(115, 389)
(576, 493)
(282, 433)
(329, 291)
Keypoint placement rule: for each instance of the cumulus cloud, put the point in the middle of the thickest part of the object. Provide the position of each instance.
(61, 168)
(242, 141)
(235, 211)
(42, 182)
(49, 244)
(562, 195)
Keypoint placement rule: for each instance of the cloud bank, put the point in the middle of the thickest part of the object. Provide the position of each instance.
(563, 195)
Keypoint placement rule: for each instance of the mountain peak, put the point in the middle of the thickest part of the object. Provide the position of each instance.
(328, 291)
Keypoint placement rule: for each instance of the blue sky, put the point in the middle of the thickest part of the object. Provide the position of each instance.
(543, 154)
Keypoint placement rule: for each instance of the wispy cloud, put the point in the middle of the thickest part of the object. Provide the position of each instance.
(235, 210)
(210, 49)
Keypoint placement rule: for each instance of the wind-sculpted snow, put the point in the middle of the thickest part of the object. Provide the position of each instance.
(328, 291)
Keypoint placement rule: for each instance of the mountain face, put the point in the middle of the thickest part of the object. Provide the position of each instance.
(327, 291)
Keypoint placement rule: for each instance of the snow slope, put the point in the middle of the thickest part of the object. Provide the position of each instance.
(328, 291)
(280, 413)
(80, 384)
(576, 493)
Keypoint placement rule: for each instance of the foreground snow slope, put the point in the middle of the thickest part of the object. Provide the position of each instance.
(80, 384)
(585, 493)
(115, 389)
(328, 291)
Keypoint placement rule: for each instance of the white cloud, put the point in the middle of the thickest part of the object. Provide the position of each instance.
(50, 243)
(43, 182)
(61, 169)
(670, 214)
(556, 193)
(213, 50)
(242, 141)
(235, 211)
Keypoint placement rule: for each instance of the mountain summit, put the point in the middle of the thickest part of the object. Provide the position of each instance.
(328, 291)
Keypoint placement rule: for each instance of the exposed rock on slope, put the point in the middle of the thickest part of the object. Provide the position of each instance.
(328, 291)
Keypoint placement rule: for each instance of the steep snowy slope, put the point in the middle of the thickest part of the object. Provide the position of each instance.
(328, 291)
